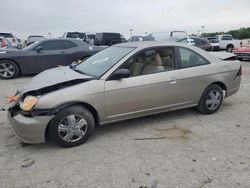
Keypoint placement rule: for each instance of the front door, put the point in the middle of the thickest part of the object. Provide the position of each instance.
(52, 54)
(154, 85)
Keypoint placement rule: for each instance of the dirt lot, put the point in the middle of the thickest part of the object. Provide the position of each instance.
(193, 150)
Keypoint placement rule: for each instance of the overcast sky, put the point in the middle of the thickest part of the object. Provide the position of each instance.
(28, 17)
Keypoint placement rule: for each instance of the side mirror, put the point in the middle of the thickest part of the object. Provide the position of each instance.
(119, 74)
(39, 49)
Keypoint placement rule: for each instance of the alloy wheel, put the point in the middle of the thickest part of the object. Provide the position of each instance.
(72, 128)
(7, 70)
(213, 100)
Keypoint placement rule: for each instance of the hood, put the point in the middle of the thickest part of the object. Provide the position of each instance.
(223, 55)
(10, 50)
(54, 79)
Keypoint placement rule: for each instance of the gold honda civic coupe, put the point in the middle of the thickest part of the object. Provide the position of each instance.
(124, 81)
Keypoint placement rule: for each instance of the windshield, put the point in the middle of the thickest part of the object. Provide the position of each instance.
(101, 62)
(31, 46)
(76, 35)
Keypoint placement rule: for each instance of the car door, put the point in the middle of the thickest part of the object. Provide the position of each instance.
(142, 94)
(77, 51)
(195, 70)
(225, 40)
(46, 55)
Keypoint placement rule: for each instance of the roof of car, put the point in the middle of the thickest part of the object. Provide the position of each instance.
(50, 39)
(143, 44)
(147, 44)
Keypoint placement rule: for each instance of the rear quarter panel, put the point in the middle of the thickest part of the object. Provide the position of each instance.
(197, 79)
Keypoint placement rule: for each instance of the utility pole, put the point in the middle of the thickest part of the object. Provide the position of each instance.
(202, 29)
(131, 32)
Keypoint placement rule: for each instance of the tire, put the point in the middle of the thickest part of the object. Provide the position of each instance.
(230, 48)
(208, 104)
(72, 126)
(8, 69)
(113, 42)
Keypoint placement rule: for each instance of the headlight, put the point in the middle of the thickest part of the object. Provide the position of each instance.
(28, 103)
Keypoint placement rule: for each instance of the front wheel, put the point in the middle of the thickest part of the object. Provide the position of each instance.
(211, 100)
(72, 126)
(8, 69)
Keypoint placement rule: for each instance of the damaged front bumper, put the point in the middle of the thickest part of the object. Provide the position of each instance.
(29, 129)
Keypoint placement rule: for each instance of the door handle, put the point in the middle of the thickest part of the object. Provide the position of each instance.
(62, 52)
(172, 80)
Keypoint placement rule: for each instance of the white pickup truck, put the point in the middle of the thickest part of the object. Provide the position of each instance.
(227, 42)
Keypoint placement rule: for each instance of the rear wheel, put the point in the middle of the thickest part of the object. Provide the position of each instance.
(8, 69)
(211, 100)
(72, 126)
(230, 48)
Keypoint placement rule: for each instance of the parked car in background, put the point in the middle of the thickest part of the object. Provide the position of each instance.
(242, 52)
(107, 39)
(245, 42)
(124, 81)
(76, 35)
(197, 41)
(5, 43)
(33, 38)
(141, 38)
(135, 38)
(123, 39)
(43, 55)
(91, 38)
(227, 42)
(215, 43)
(12, 39)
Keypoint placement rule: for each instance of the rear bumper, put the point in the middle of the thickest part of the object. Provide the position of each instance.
(216, 48)
(243, 54)
(29, 129)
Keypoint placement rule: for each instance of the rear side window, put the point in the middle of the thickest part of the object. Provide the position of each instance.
(190, 58)
(199, 42)
(70, 44)
(53, 45)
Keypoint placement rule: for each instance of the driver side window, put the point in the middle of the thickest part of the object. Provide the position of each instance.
(53, 45)
(151, 61)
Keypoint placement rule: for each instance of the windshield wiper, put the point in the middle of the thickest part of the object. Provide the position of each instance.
(79, 71)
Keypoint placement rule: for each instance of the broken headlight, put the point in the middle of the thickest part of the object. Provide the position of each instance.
(28, 103)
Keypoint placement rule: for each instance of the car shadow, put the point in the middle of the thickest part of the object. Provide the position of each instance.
(107, 130)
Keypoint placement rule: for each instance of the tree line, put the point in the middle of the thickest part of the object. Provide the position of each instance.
(242, 33)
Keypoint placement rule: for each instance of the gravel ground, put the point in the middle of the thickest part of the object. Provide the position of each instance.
(194, 150)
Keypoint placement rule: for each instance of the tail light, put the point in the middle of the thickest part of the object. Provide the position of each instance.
(13, 40)
(240, 72)
(4, 44)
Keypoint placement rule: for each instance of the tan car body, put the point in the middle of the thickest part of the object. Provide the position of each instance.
(116, 100)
